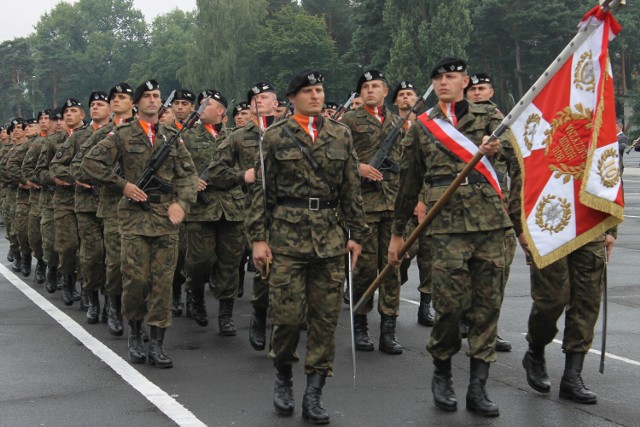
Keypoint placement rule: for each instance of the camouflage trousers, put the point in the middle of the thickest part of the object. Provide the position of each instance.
(219, 243)
(67, 242)
(305, 289)
(572, 285)
(113, 253)
(421, 250)
(510, 244)
(48, 232)
(148, 264)
(21, 224)
(9, 209)
(372, 260)
(260, 296)
(35, 233)
(92, 264)
(468, 279)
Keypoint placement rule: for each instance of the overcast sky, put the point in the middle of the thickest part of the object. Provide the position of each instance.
(20, 16)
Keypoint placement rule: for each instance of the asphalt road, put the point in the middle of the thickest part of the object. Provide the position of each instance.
(53, 377)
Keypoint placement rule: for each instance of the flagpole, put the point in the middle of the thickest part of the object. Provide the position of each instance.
(604, 313)
(583, 33)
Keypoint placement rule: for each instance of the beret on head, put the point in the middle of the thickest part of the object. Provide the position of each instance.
(147, 86)
(304, 79)
(368, 76)
(448, 65)
(32, 121)
(98, 95)
(185, 95)
(214, 94)
(121, 88)
(56, 114)
(71, 102)
(45, 112)
(18, 121)
(258, 88)
(479, 78)
(239, 107)
(330, 105)
(403, 85)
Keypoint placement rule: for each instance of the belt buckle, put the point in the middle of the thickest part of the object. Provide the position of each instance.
(314, 203)
(466, 181)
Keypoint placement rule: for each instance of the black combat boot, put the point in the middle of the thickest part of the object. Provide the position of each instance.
(52, 276)
(361, 332)
(114, 317)
(59, 280)
(388, 341)
(571, 386)
(283, 391)
(77, 296)
(41, 271)
(464, 327)
(84, 299)
(198, 307)
(477, 399)
(312, 407)
(25, 266)
(502, 345)
(145, 333)
(136, 347)
(212, 280)
(104, 316)
(93, 312)
(156, 357)
(442, 386)
(536, 368)
(176, 301)
(68, 286)
(258, 328)
(425, 318)
(188, 304)
(17, 262)
(11, 255)
(225, 322)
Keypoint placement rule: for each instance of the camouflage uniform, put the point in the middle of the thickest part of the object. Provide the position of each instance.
(22, 206)
(467, 235)
(149, 239)
(28, 174)
(307, 244)
(368, 133)
(9, 201)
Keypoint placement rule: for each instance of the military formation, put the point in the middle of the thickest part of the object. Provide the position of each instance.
(148, 201)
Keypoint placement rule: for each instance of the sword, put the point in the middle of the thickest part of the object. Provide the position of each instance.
(353, 334)
(604, 314)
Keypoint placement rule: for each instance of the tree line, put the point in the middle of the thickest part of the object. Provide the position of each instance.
(229, 45)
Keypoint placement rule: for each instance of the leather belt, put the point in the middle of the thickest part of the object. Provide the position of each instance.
(160, 198)
(312, 203)
(473, 178)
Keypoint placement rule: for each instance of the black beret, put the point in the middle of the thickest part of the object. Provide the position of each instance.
(239, 107)
(330, 105)
(214, 94)
(71, 102)
(121, 88)
(185, 95)
(368, 76)
(32, 121)
(147, 86)
(448, 65)
(403, 85)
(304, 79)
(2, 127)
(15, 122)
(98, 96)
(45, 112)
(479, 78)
(257, 88)
(56, 114)
(282, 102)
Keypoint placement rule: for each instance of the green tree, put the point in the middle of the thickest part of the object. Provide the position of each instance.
(337, 14)
(370, 42)
(16, 79)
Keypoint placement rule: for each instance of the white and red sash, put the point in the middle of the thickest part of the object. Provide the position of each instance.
(461, 146)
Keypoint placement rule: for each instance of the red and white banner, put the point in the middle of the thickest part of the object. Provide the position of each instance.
(568, 150)
(461, 146)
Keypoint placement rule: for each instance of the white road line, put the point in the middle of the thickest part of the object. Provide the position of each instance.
(154, 394)
(632, 216)
(609, 355)
(409, 301)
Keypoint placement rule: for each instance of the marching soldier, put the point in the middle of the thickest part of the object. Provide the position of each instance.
(467, 236)
(311, 182)
(8, 203)
(4, 142)
(241, 115)
(369, 126)
(149, 236)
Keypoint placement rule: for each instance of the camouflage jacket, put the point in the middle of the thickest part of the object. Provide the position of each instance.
(86, 198)
(129, 146)
(28, 168)
(474, 207)
(225, 201)
(14, 172)
(302, 231)
(368, 134)
(43, 177)
(4, 156)
(59, 168)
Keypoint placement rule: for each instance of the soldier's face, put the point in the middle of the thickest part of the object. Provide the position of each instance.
(18, 132)
(181, 109)
(99, 111)
(480, 92)
(149, 103)
(168, 118)
(266, 104)
(449, 87)
(73, 117)
(32, 130)
(58, 125)
(212, 114)
(309, 100)
(406, 99)
(4, 136)
(44, 123)
(356, 103)
(373, 93)
(242, 118)
(121, 103)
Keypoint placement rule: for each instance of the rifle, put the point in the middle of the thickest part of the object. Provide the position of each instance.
(344, 107)
(263, 274)
(380, 160)
(201, 194)
(166, 104)
(148, 180)
(633, 145)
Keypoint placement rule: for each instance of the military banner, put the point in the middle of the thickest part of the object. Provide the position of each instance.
(568, 150)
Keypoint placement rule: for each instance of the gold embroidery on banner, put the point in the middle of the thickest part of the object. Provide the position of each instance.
(553, 214)
(608, 168)
(569, 148)
(584, 77)
(530, 129)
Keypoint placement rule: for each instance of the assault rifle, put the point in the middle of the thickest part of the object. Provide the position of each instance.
(381, 160)
(344, 107)
(201, 194)
(166, 104)
(148, 180)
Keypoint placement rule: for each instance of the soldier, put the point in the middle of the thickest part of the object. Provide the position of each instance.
(67, 240)
(329, 109)
(28, 174)
(480, 90)
(8, 202)
(42, 178)
(168, 118)
(241, 115)
(369, 126)
(235, 165)
(149, 236)
(215, 222)
(4, 142)
(282, 110)
(356, 103)
(467, 237)
(311, 182)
